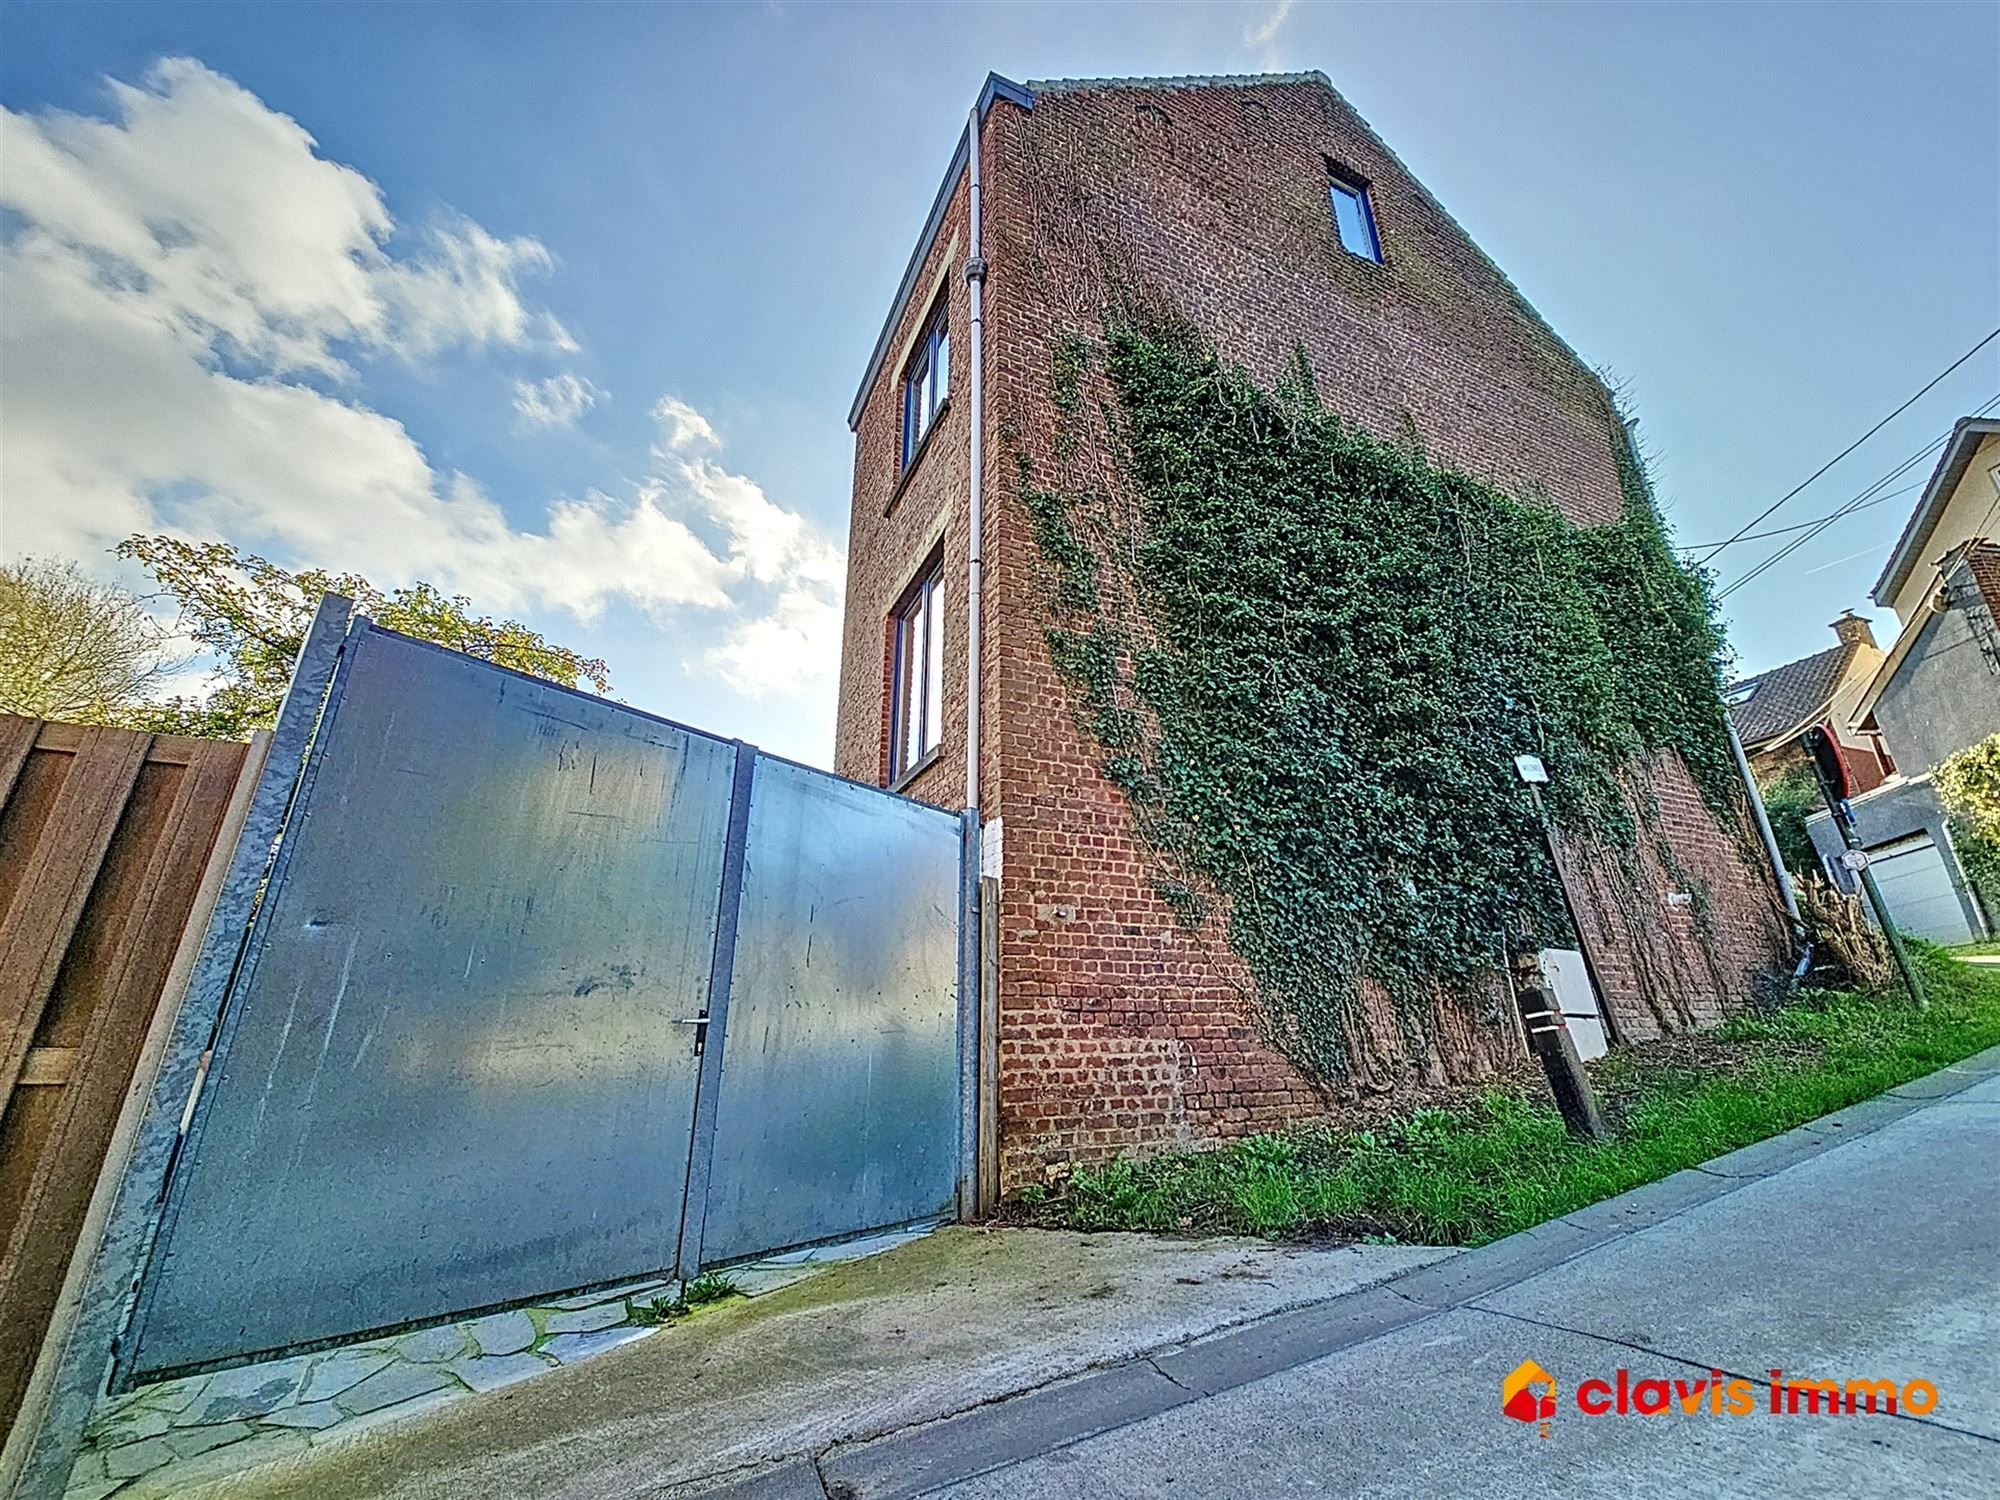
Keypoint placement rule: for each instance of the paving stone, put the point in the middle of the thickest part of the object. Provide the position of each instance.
(574, 1346)
(339, 1372)
(178, 1478)
(112, 1407)
(501, 1332)
(396, 1383)
(869, 1244)
(315, 1416)
(248, 1392)
(496, 1370)
(93, 1489)
(188, 1441)
(756, 1280)
(89, 1465)
(174, 1395)
(432, 1346)
(609, 1294)
(586, 1319)
(134, 1459)
(129, 1426)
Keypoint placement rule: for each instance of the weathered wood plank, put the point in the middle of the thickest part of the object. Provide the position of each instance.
(44, 1067)
(38, 1369)
(56, 735)
(17, 738)
(36, 930)
(126, 945)
(76, 1377)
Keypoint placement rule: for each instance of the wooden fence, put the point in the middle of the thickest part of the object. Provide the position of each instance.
(104, 838)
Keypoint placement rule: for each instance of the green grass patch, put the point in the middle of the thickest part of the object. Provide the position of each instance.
(1502, 1162)
(709, 1286)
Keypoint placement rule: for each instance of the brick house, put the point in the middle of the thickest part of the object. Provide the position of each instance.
(1773, 710)
(1272, 216)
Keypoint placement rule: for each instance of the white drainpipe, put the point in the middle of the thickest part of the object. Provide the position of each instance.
(1763, 822)
(975, 279)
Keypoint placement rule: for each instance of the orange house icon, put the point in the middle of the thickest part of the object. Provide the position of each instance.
(1519, 1397)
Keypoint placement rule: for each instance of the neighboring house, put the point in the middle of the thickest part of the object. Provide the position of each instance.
(1272, 218)
(1935, 692)
(1773, 710)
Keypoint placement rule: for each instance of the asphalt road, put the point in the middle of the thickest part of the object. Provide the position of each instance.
(1863, 1247)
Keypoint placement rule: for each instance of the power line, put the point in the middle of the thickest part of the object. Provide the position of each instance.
(1928, 388)
(1816, 528)
(1869, 496)
(1758, 536)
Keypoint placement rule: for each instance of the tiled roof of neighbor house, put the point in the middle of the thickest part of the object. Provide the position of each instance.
(1786, 697)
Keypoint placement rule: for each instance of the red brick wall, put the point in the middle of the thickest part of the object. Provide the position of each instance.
(896, 523)
(1120, 1031)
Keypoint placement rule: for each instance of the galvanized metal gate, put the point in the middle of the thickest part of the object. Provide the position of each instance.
(545, 993)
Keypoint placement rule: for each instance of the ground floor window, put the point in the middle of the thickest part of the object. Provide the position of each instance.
(916, 703)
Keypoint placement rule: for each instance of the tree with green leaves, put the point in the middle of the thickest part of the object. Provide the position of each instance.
(252, 616)
(1968, 784)
(1790, 798)
(73, 648)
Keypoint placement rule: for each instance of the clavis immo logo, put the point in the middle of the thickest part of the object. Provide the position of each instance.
(1529, 1394)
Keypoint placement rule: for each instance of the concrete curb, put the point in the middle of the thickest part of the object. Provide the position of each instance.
(929, 1457)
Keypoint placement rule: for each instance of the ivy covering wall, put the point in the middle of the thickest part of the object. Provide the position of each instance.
(1310, 656)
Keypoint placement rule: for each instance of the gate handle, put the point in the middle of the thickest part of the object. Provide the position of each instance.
(690, 1021)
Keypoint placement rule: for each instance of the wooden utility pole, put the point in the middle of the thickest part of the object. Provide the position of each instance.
(1541, 1011)
(1548, 1036)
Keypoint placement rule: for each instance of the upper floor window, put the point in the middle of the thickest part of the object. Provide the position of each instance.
(926, 383)
(1354, 217)
(916, 702)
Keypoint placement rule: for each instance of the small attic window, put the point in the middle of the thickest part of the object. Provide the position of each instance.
(1740, 695)
(1353, 215)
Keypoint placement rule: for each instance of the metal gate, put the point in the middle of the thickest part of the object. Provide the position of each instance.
(545, 993)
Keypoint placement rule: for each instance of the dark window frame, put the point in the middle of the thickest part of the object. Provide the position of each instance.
(923, 391)
(1340, 181)
(916, 671)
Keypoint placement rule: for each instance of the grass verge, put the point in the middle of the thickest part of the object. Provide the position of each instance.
(1475, 1172)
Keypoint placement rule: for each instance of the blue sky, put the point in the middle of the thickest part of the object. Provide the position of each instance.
(564, 305)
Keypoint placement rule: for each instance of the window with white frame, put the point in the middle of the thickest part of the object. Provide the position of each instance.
(1353, 216)
(916, 701)
(926, 383)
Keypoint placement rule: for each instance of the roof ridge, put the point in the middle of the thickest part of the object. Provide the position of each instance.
(1175, 81)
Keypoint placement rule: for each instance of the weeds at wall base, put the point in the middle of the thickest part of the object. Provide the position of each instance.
(1502, 1162)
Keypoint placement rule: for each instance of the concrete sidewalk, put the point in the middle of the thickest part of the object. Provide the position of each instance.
(1863, 1246)
(964, 1317)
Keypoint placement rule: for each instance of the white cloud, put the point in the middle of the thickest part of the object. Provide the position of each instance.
(184, 293)
(684, 427)
(1266, 31)
(555, 402)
